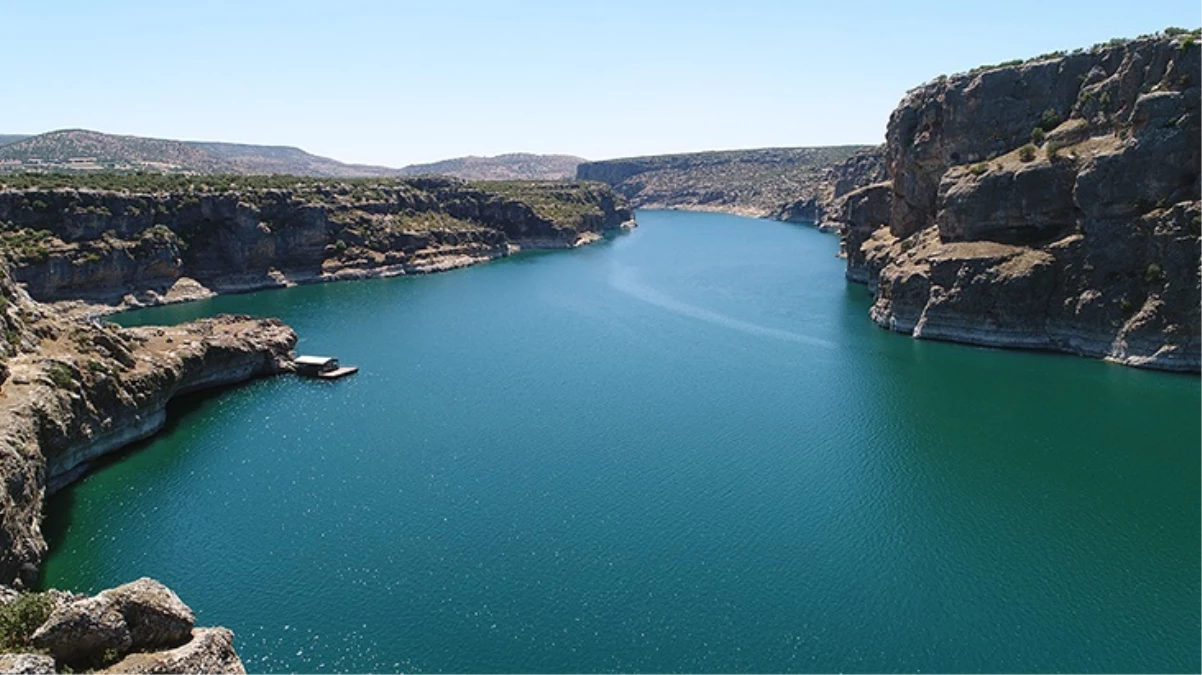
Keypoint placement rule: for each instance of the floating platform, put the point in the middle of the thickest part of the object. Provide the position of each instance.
(322, 367)
(338, 372)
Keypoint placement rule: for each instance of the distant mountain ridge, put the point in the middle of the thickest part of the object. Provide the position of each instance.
(516, 166)
(84, 151)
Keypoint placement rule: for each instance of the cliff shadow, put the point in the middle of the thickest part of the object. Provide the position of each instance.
(59, 509)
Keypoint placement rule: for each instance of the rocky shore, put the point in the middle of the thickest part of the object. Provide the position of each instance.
(138, 241)
(1051, 204)
(71, 391)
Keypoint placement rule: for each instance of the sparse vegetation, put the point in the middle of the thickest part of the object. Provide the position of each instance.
(979, 169)
(1049, 120)
(20, 618)
(1026, 153)
(61, 375)
(1038, 136)
(1154, 274)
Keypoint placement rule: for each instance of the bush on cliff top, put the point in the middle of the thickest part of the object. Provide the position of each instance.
(20, 618)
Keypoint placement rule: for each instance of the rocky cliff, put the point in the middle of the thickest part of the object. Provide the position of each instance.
(73, 390)
(781, 183)
(1050, 204)
(138, 240)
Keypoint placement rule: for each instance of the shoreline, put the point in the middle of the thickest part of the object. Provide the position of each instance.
(186, 289)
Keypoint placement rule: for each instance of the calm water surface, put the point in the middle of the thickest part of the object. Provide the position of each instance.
(684, 449)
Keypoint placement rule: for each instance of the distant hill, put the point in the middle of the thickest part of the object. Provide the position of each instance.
(79, 150)
(748, 182)
(517, 166)
(82, 151)
(275, 159)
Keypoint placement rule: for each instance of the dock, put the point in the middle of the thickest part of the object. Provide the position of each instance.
(338, 372)
(322, 367)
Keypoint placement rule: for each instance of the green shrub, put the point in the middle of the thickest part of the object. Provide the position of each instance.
(979, 169)
(1053, 150)
(1049, 120)
(61, 376)
(1038, 136)
(20, 618)
(1187, 42)
(1154, 275)
(1026, 153)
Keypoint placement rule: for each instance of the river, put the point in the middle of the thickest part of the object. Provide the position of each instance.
(686, 448)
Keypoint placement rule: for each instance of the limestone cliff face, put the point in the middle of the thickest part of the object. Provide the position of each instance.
(110, 246)
(72, 391)
(1052, 204)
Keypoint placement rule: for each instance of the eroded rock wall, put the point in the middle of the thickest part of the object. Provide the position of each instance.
(75, 390)
(112, 246)
(1052, 204)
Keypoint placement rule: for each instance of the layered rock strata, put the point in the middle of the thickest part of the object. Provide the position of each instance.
(143, 245)
(1052, 204)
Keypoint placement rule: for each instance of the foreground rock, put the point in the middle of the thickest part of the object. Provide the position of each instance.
(1052, 204)
(140, 627)
(26, 664)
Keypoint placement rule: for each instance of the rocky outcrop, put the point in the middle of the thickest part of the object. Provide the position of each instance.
(75, 390)
(779, 183)
(139, 627)
(1052, 204)
(26, 664)
(133, 244)
(210, 650)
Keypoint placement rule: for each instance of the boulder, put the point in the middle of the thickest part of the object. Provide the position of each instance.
(26, 664)
(211, 650)
(82, 631)
(154, 613)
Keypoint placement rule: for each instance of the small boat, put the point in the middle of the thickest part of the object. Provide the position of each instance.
(322, 367)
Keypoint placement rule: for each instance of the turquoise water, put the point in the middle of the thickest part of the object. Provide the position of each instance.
(682, 449)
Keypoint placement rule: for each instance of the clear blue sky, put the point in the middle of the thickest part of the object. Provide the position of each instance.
(401, 82)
